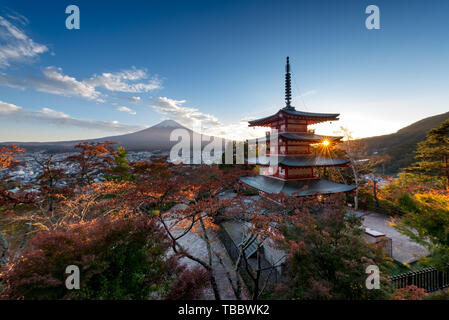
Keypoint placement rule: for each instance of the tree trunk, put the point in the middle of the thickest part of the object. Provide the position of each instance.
(257, 278)
(446, 161)
(3, 250)
(356, 179)
(375, 193)
(213, 283)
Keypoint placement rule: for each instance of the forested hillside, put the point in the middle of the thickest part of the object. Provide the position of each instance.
(400, 146)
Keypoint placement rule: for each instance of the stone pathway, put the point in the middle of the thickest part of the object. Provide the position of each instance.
(197, 247)
(404, 249)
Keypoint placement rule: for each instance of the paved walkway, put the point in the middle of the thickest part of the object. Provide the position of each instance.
(196, 246)
(404, 249)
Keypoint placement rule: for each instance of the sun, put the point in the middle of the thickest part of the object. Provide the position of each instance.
(325, 143)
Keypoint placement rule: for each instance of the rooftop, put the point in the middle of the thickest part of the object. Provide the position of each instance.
(291, 111)
(299, 188)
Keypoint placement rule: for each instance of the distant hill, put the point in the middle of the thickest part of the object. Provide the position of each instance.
(154, 138)
(400, 146)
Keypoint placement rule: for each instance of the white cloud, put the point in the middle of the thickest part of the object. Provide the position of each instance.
(15, 45)
(53, 117)
(8, 107)
(210, 125)
(54, 81)
(54, 114)
(125, 81)
(134, 99)
(126, 109)
(186, 116)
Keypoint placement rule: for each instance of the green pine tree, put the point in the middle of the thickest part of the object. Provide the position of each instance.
(121, 167)
(432, 157)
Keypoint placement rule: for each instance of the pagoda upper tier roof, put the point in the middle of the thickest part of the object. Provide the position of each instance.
(298, 136)
(291, 111)
(299, 188)
(300, 161)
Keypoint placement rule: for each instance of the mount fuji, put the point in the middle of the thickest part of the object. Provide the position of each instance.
(153, 138)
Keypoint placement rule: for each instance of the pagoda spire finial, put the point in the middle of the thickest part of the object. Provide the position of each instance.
(288, 86)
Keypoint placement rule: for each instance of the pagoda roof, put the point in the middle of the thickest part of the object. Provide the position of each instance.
(291, 111)
(298, 136)
(302, 161)
(299, 188)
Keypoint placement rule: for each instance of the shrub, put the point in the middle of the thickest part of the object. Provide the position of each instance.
(409, 293)
(427, 223)
(328, 258)
(122, 259)
(440, 295)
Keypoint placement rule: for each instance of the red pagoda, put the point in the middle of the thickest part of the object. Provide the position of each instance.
(296, 170)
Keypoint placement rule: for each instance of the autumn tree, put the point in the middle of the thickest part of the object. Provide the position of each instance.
(52, 183)
(156, 186)
(328, 255)
(7, 161)
(325, 252)
(427, 222)
(199, 205)
(8, 155)
(361, 165)
(117, 259)
(92, 160)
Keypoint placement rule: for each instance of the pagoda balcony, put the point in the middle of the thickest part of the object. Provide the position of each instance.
(299, 161)
(296, 136)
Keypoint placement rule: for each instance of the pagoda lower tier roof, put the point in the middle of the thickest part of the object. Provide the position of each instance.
(300, 188)
(291, 111)
(298, 136)
(300, 161)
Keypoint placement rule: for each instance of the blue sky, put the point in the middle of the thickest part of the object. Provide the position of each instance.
(135, 63)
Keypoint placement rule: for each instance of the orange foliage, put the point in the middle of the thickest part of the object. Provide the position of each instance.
(409, 293)
(7, 154)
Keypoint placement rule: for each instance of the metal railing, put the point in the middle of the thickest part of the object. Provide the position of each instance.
(429, 279)
(267, 271)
